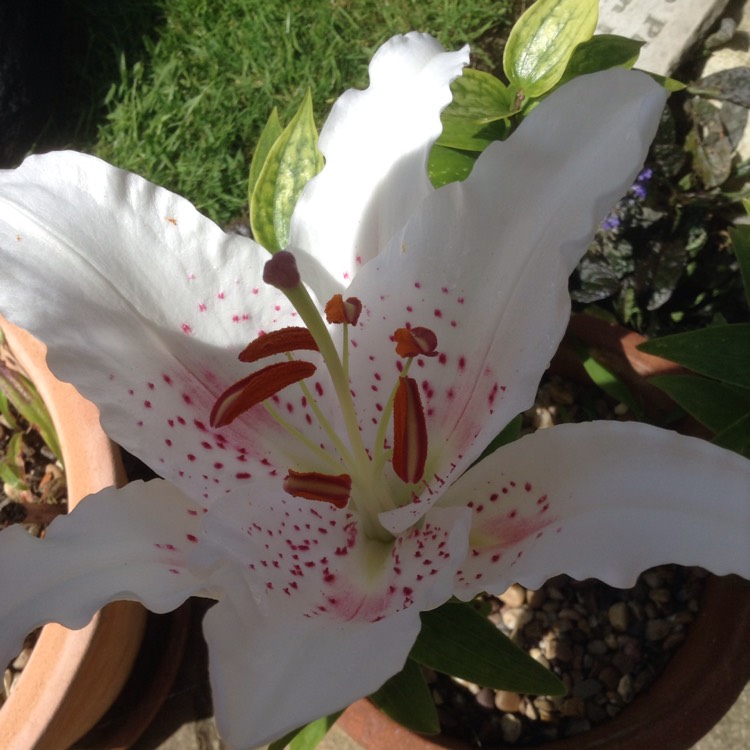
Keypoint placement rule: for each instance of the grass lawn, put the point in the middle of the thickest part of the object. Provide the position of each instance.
(178, 90)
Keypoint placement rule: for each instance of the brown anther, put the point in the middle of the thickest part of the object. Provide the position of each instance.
(409, 432)
(329, 488)
(256, 388)
(281, 271)
(415, 342)
(291, 339)
(339, 310)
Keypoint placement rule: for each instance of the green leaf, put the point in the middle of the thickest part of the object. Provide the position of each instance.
(610, 383)
(721, 352)
(271, 133)
(715, 404)
(602, 52)
(542, 42)
(406, 698)
(292, 162)
(307, 737)
(740, 236)
(449, 165)
(736, 437)
(481, 97)
(457, 640)
(470, 135)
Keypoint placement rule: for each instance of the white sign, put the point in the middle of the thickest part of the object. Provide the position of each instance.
(669, 27)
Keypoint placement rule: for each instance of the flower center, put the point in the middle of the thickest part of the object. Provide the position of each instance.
(357, 475)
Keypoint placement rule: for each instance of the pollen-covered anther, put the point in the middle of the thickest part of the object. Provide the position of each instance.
(291, 339)
(416, 342)
(256, 388)
(409, 432)
(340, 310)
(311, 485)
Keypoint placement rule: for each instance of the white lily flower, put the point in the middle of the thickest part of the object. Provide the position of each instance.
(145, 305)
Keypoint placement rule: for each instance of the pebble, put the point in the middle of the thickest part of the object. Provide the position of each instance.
(515, 596)
(657, 630)
(511, 727)
(618, 616)
(505, 700)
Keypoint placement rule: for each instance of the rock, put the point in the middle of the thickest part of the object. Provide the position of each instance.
(505, 700)
(587, 688)
(657, 630)
(618, 616)
(511, 727)
(515, 596)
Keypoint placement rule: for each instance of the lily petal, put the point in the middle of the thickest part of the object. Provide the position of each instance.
(603, 499)
(376, 143)
(358, 602)
(485, 265)
(120, 544)
(149, 305)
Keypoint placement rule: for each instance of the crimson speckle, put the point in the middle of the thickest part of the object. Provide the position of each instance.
(527, 486)
(147, 404)
(205, 444)
(202, 307)
(437, 313)
(186, 328)
(186, 398)
(242, 475)
(462, 363)
(168, 442)
(131, 392)
(218, 465)
(190, 457)
(192, 538)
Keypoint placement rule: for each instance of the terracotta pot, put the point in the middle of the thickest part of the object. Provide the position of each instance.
(705, 675)
(73, 676)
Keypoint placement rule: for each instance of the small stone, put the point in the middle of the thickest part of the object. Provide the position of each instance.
(516, 617)
(22, 660)
(625, 688)
(530, 710)
(535, 599)
(573, 708)
(505, 700)
(587, 688)
(618, 616)
(555, 649)
(546, 709)
(673, 640)
(486, 698)
(597, 647)
(657, 630)
(515, 596)
(660, 595)
(610, 677)
(511, 727)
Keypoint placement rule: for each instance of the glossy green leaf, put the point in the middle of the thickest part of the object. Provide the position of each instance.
(271, 133)
(406, 698)
(717, 405)
(602, 52)
(721, 352)
(449, 165)
(307, 737)
(542, 42)
(457, 640)
(292, 162)
(740, 236)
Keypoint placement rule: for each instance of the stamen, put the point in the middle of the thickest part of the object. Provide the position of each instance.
(281, 271)
(416, 342)
(255, 388)
(291, 339)
(409, 432)
(329, 488)
(339, 310)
